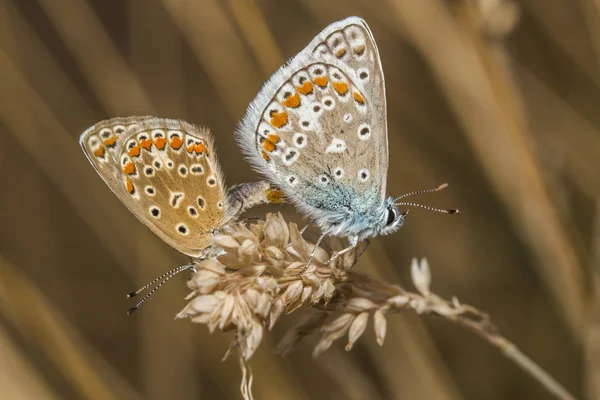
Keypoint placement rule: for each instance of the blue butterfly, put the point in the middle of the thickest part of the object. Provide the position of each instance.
(318, 130)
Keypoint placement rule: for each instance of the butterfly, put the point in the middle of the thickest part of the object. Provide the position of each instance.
(167, 174)
(318, 130)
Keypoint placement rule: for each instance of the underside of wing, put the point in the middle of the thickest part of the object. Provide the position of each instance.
(166, 172)
(318, 126)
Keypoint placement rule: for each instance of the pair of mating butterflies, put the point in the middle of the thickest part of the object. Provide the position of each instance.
(317, 131)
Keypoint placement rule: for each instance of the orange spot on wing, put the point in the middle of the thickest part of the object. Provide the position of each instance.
(292, 101)
(160, 143)
(99, 152)
(340, 87)
(273, 137)
(190, 148)
(321, 81)
(275, 195)
(207, 152)
(306, 88)
(110, 141)
(129, 186)
(199, 148)
(340, 53)
(146, 144)
(359, 99)
(176, 142)
(129, 168)
(279, 119)
(134, 151)
(268, 145)
(265, 155)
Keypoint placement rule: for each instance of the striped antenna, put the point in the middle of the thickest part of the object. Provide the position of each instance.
(440, 210)
(437, 189)
(165, 277)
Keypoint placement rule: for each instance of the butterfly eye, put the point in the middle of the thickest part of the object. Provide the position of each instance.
(391, 217)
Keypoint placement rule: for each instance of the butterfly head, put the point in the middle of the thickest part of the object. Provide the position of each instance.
(381, 220)
(391, 218)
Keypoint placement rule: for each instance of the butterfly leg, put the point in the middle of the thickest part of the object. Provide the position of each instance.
(312, 253)
(341, 252)
(353, 244)
(303, 230)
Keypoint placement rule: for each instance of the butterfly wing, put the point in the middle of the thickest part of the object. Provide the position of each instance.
(318, 126)
(166, 172)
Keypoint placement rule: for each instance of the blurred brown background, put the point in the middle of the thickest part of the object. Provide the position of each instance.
(499, 99)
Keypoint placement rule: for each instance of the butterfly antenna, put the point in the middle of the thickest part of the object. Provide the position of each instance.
(167, 275)
(437, 189)
(146, 286)
(440, 210)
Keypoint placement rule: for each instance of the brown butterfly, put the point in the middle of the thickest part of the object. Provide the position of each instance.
(167, 174)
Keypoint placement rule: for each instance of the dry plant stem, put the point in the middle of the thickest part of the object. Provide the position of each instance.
(486, 329)
(513, 353)
(360, 286)
(262, 274)
(475, 77)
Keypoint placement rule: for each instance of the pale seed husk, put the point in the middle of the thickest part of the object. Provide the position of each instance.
(380, 326)
(357, 328)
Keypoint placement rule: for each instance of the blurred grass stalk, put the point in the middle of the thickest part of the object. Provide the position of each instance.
(474, 75)
(19, 377)
(592, 344)
(208, 31)
(43, 326)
